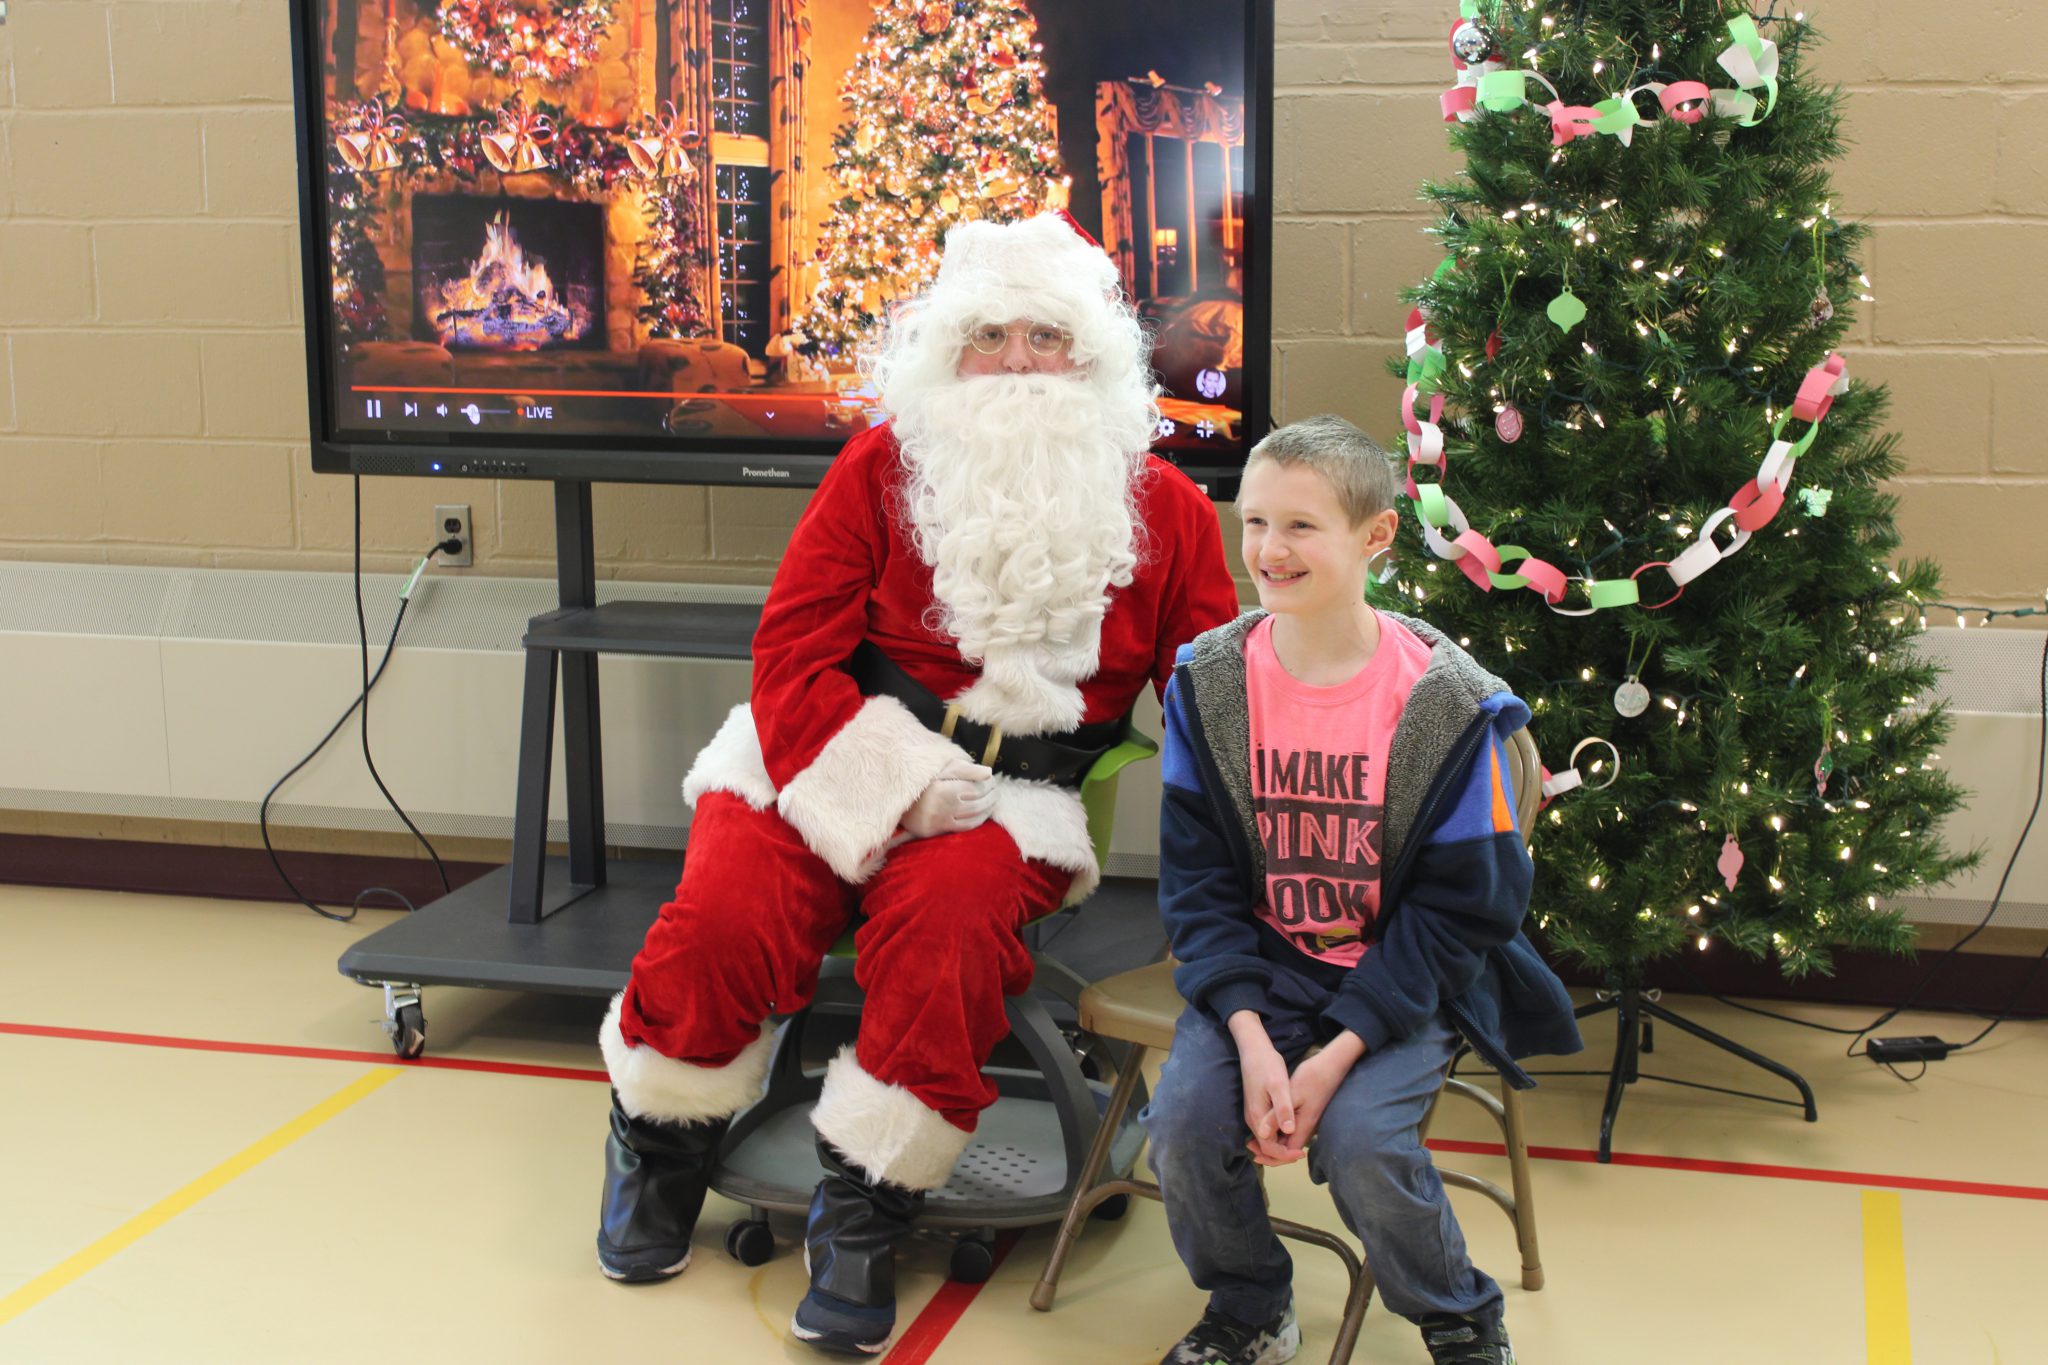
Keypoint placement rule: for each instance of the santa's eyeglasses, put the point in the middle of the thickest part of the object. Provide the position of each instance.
(1042, 337)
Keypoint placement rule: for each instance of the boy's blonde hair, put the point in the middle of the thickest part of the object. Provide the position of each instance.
(1358, 471)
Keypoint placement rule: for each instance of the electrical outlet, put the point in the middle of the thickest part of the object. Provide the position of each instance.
(451, 521)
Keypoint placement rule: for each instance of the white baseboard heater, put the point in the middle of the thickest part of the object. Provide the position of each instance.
(184, 693)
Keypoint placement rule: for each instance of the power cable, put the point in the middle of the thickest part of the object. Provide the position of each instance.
(361, 700)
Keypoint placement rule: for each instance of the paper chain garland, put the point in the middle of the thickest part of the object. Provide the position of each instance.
(1485, 84)
(1570, 779)
(1752, 60)
(1751, 508)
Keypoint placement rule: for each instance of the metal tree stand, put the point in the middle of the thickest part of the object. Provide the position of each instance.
(1637, 1008)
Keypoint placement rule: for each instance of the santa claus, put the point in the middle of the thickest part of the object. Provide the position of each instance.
(971, 602)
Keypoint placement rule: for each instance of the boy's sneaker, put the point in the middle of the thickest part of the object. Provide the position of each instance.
(1460, 1339)
(1220, 1339)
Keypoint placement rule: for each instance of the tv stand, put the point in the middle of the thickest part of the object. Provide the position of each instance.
(561, 925)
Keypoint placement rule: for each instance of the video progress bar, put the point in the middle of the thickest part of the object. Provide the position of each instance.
(664, 394)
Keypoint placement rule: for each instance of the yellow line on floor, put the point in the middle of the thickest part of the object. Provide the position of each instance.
(154, 1217)
(1886, 1338)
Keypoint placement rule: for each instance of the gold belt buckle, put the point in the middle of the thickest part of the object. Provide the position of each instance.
(995, 734)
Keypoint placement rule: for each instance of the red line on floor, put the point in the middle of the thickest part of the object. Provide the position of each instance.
(1754, 1169)
(325, 1054)
(930, 1327)
(1584, 1155)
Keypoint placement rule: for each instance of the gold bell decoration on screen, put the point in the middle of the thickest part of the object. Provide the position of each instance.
(664, 154)
(516, 145)
(368, 147)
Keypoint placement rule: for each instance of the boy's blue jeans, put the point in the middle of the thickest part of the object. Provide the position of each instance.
(1366, 1149)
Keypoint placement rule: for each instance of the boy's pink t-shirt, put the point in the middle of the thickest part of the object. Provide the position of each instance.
(1319, 787)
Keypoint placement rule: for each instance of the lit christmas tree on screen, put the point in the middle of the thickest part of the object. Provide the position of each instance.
(949, 122)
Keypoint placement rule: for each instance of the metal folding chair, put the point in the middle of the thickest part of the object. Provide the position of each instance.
(1140, 1007)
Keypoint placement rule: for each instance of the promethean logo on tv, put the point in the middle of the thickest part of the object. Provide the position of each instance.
(749, 472)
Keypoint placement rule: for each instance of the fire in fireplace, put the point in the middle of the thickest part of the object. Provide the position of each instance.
(506, 274)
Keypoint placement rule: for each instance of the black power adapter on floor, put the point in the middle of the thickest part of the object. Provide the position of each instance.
(1919, 1048)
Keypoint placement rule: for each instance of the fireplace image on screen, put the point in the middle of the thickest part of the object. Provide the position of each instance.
(685, 218)
(482, 271)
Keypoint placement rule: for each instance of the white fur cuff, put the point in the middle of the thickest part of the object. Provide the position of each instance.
(732, 762)
(887, 1131)
(652, 1086)
(1049, 825)
(846, 804)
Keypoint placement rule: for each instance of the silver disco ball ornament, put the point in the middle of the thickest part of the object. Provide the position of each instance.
(1472, 42)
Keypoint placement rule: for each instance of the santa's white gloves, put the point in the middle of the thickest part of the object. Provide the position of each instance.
(959, 798)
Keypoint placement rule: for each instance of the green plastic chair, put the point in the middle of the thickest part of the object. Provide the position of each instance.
(1098, 788)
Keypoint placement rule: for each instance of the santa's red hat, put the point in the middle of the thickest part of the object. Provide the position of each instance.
(1075, 223)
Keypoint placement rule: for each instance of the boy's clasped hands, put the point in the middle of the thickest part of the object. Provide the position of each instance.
(1282, 1110)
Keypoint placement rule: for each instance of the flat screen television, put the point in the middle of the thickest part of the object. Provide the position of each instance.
(642, 240)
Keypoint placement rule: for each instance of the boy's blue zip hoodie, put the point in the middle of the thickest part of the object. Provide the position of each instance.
(1454, 887)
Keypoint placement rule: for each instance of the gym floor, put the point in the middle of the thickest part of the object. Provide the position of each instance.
(208, 1154)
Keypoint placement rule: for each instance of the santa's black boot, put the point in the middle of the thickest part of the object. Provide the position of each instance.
(655, 1176)
(850, 1246)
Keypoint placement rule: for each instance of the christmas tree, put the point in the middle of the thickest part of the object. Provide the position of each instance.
(949, 121)
(1673, 537)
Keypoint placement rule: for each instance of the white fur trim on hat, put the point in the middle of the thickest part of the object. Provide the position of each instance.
(1019, 258)
(1050, 825)
(884, 1129)
(732, 762)
(847, 803)
(651, 1086)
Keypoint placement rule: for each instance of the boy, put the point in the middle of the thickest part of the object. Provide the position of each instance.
(1340, 868)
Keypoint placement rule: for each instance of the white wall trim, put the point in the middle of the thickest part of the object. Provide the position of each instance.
(183, 694)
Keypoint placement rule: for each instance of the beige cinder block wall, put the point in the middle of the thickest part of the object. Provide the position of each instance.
(151, 380)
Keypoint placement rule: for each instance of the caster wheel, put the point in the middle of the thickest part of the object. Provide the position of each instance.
(973, 1263)
(1111, 1209)
(409, 1038)
(749, 1242)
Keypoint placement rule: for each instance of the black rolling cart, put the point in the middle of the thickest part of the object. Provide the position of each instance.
(571, 925)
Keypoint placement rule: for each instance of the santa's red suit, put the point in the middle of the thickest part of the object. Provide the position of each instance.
(797, 801)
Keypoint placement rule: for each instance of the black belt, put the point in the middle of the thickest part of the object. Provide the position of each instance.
(1063, 759)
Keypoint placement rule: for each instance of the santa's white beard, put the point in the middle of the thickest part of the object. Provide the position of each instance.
(1020, 497)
